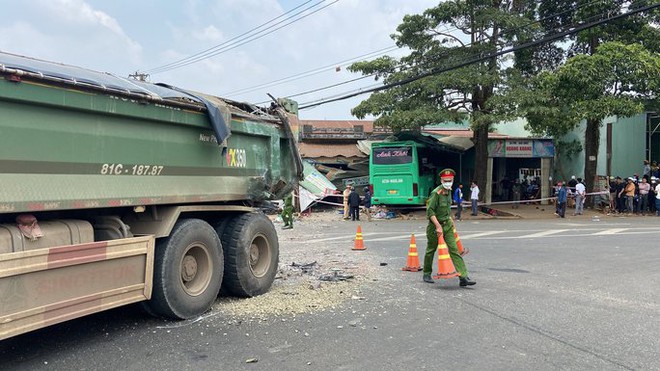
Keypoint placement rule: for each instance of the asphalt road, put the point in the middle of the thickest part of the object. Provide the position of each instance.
(551, 295)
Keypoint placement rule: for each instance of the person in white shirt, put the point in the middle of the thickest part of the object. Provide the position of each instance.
(642, 204)
(474, 197)
(580, 195)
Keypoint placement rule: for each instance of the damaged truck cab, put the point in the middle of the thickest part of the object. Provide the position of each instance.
(115, 191)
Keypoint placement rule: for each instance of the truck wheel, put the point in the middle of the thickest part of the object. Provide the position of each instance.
(251, 255)
(188, 271)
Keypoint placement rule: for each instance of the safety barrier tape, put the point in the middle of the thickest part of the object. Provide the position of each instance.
(481, 203)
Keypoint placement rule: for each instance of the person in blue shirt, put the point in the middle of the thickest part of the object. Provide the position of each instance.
(458, 199)
(562, 197)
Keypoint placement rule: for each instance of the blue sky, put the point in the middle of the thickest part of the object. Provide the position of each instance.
(124, 36)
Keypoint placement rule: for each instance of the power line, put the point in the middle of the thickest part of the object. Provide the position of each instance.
(315, 72)
(446, 30)
(481, 59)
(203, 52)
(308, 73)
(239, 40)
(322, 88)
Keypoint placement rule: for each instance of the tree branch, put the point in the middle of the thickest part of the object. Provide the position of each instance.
(447, 35)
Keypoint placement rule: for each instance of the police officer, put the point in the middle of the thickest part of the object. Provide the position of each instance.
(439, 214)
(287, 212)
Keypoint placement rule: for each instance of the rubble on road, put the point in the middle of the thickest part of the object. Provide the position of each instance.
(309, 278)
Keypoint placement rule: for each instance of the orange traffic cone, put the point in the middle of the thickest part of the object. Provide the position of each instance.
(413, 257)
(445, 266)
(462, 251)
(359, 244)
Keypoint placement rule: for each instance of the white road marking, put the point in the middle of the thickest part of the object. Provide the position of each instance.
(346, 237)
(482, 234)
(610, 231)
(404, 237)
(543, 234)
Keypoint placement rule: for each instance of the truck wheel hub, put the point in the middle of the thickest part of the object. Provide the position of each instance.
(254, 254)
(189, 268)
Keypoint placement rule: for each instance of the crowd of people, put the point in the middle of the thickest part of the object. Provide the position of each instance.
(634, 195)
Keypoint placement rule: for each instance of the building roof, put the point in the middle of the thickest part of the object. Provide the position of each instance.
(340, 124)
(316, 150)
(462, 133)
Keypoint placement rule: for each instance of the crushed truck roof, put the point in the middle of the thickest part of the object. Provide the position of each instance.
(219, 110)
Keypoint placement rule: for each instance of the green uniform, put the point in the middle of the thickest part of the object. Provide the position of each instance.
(440, 206)
(287, 211)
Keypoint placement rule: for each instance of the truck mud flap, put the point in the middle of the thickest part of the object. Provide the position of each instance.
(43, 287)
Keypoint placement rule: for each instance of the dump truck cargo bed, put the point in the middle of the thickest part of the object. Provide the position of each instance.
(67, 146)
(114, 191)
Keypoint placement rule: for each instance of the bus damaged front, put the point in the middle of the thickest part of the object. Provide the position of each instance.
(395, 175)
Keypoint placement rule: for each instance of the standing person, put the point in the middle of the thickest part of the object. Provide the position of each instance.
(367, 202)
(440, 224)
(347, 192)
(516, 194)
(657, 199)
(652, 194)
(629, 192)
(646, 171)
(474, 197)
(642, 204)
(458, 198)
(620, 200)
(580, 195)
(612, 194)
(287, 212)
(354, 205)
(562, 197)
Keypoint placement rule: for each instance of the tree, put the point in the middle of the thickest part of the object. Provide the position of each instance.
(616, 80)
(441, 37)
(593, 83)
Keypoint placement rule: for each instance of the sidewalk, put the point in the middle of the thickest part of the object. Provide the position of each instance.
(531, 211)
(487, 212)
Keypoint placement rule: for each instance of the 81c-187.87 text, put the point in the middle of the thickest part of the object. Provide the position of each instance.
(121, 169)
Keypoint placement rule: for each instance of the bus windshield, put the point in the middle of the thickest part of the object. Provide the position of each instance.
(392, 155)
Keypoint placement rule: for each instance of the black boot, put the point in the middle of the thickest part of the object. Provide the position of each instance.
(465, 281)
(427, 278)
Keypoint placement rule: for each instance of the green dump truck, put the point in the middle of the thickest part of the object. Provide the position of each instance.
(115, 191)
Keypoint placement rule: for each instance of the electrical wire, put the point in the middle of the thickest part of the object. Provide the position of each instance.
(203, 52)
(483, 58)
(317, 71)
(242, 39)
(308, 73)
(446, 30)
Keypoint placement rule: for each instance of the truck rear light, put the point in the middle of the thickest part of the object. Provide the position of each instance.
(415, 190)
(371, 188)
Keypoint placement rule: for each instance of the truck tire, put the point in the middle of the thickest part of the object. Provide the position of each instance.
(188, 271)
(251, 255)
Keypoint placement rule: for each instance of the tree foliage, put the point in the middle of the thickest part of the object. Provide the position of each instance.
(616, 80)
(611, 69)
(455, 31)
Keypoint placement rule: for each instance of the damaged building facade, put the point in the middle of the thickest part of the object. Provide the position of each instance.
(340, 149)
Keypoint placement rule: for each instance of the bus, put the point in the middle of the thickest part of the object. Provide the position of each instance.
(401, 173)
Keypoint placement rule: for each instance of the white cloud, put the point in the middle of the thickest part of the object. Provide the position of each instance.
(122, 36)
(70, 31)
(209, 33)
